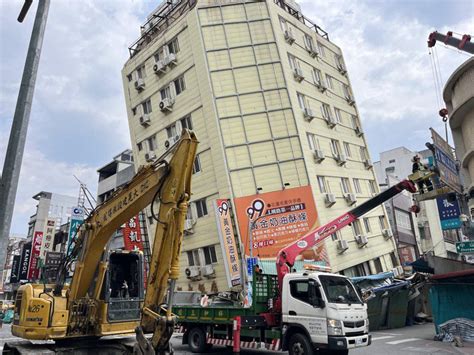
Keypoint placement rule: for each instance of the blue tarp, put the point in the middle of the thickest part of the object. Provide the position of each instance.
(381, 276)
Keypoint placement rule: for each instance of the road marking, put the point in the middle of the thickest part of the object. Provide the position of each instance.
(385, 337)
(402, 341)
(383, 333)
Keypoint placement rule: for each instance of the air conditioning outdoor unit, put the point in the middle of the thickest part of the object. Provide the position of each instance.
(361, 240)
(298, 74)
(330, 199)
(350, 100)
(193, 272)
(398, 271)
(319, 155)
(358, 131)
(308, 114)
(208, 271)
(368, 163)
(342, 245)
(350, 199)
(330, 120)
(139, 84)
(387, 233)
(170, 141)
(145, 120)
(341, 159)
(342, 69)
(289, 36)
(312, 51)
(159, 67)
(170, 59)
(166, 104)
(150, 156)
(320, 85)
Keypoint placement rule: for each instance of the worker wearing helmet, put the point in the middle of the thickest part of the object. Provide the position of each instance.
(419, 166)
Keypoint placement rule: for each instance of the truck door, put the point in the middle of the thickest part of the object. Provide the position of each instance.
(305, 310)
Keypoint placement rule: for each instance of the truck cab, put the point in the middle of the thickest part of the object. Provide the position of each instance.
(324, 311)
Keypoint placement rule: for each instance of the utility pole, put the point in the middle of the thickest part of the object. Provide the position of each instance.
(16, 142)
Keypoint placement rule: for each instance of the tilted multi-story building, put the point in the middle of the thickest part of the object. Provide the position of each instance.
(269, 98)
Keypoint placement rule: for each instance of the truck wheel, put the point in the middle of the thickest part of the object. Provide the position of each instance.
(197, 340)
(299, 345)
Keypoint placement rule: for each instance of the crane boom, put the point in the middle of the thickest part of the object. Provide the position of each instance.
(463, 44)
(287, 256)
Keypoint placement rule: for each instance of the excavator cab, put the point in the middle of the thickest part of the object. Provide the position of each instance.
(122, 289)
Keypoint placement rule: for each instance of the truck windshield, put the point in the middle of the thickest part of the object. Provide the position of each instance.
(339, 290)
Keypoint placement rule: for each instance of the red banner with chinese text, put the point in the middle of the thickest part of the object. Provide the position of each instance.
(132, 236)
(33, 271)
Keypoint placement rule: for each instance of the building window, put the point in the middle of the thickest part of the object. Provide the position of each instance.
(382, 222)
(301, 100)
(165, 93)
(367, 225)
(140, 146)
(186, 122)
(326, 111)
(391, 161)
(338, 115)
(329, 81)
(201, 207)
(210, 256)
(179, 85)
(158, 55)
(129, 77)
(294, 63)
(173, 46)
(372, 187)
(378, 265)
(338, 60)
(394, 259)
(146, 106)
(313, 142)
(336, 236)
(357, 186)
(193, 258)
(355, 123)
(283, 24)
(151, 142)
(141, 73)
(450, 235)
(317, 76)
(134, 110)
(402, 219)
(321, 49)
(363, 153)
(308, 41)
(347, 149)
(347, 91)
(196, 165)
(335, 147)
(171, 131)
(322, 185)
(346, 186)
(356, 228)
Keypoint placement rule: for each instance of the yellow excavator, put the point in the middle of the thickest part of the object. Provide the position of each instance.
(93, 305)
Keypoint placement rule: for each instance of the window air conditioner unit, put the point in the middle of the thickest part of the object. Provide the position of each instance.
(170, 59)
(398, 271)
(350, 198)
(189, 225)
(387, 233)
(208, 271)
(342, 69)
(308, 114)
(166, 104)
(330, 199)
(159, 67)
(342, 245)
(330, 120)
(145, 120)
(312, 51)
(368, 163)
(319, 155)
(361, 240)
(150, 156)
(139, 84)
(358, 131)
(320, 85)
(298, 74)
(193, 272)
(289, 36)
(341, 159)
(170, 141)
(350, 100)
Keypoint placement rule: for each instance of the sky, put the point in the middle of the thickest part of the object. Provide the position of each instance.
(78, 119)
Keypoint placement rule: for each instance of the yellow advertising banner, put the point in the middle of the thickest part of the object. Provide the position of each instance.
(228, 244)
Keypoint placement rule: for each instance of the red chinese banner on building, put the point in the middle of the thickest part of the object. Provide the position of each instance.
(132, 236)
(270, 221)
(33, 270)
(48, 238)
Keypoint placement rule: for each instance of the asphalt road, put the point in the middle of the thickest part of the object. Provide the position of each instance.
(415, 340)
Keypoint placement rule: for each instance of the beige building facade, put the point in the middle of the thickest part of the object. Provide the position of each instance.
(269, 98)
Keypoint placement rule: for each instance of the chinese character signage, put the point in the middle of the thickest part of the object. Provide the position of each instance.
(33, 270)
(77, 217)
(14, 276)
(270, 221)
(448, 172)
(448, 213)
(132, 238)
(25, 261)
(228, 244)
(48, 238)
